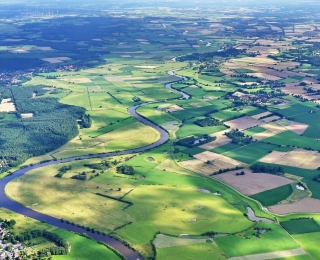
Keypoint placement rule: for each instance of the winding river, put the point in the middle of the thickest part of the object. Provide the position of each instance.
(129, 253)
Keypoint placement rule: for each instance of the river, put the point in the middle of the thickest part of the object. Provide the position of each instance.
(130, 254)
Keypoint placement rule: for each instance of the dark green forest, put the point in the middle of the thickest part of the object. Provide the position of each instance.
(53, 124)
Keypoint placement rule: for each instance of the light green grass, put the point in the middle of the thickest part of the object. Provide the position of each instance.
(204, 251)
(275, 240)
(85, 249)
(254, 130)
(310, 243)
(251, 153)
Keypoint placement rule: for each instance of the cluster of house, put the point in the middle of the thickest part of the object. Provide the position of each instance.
(258, 99)
(9, 250)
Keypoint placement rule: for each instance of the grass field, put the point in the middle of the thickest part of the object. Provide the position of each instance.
(274, 240)
(185, 210)
(312, 132)
(250, 153)
(189, 128)
(81, 248)
(254, 130)
(84, 249)
(310, 243)
(226, 148)
(290, 138)
(191, 252)
(193, 151)
(274, 196)
(301, 226)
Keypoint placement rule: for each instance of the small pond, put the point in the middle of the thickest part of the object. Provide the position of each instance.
(253, 217)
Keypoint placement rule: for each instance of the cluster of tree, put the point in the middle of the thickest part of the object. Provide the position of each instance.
(125, 169)
(7, 223)
(53, 124)
(209, 55)
(266, 168)
(103, 165)
(86, 121)
(192, 141)
(228, 170)
(81, 176)
(317, 178)
(60, 249)
(239, 137)
(208, 121)
(114, 97)
(63, 170)
(240, 173)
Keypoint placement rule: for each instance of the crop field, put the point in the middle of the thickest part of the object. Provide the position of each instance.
(297, 158)
(301, 226)
(254, 183)
(205, 168)
(221, 140)
(243, 123)
(250, 153)
(210, 156)
(307, 205)
(274, 196)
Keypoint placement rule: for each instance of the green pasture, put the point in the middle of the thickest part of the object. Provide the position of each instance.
(193, 151)
(247, 243)
(301, 226)
(226, 148)
(191, 252)
(184, 210)
(84, 248)
(274, 196)
(293, 139)
(310, 243)
(294, 110)
(251, 153)
(189, 128)
(254, 130)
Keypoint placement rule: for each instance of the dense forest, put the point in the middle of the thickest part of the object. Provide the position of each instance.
(53, 124)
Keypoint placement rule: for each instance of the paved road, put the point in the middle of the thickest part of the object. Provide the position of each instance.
(7, 203)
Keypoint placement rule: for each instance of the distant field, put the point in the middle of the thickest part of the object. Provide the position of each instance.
(226, 148)
(250, 153)
(254, 130)
(290, 138)
(189, 128)
(272, 197)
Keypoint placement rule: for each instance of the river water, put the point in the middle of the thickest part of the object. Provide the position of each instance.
(129, 253)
